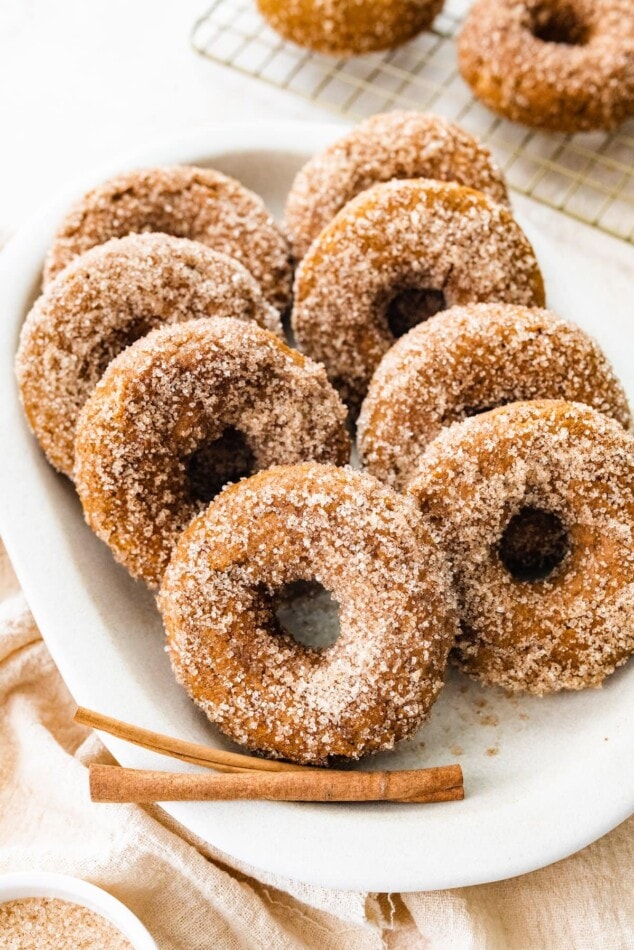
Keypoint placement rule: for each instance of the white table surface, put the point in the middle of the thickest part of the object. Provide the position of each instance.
(83, 80)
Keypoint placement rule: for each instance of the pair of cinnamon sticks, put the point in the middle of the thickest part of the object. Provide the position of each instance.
(247, 777)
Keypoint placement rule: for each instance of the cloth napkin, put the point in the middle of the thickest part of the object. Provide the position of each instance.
(192, 897)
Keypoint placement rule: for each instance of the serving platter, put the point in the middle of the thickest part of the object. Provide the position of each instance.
(543, 777)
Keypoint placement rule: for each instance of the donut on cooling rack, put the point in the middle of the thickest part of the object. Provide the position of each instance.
(386, 146)
(466, 361)
(106, 299)
(534, 504)
(185, 410)
(564, 65)
(394, 255)
(184, 201)
(362, 542)
(348, 27)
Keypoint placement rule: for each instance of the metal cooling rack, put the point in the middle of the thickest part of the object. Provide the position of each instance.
(587, 176)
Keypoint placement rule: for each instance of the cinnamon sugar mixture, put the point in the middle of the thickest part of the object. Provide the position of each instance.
(560, 65)
(48, 923)
(349, 27)
(572, 628)
(106, 299)
(175, 391)
(397, 236)
(366, 545)
(185, 201)
(386, 146)
(468, 360)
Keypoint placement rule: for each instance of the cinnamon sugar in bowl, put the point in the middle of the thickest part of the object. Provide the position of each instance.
(59, 912)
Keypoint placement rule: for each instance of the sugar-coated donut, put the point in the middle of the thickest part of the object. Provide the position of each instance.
(185, 201)
(369, 548)
(359, 286)
(106, 299)
(385, 146)
(183, 411)
(349, 27)
(468, 360)
(534, 505)
(564, 65)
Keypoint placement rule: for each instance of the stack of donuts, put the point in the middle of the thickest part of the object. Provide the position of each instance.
(493, 523)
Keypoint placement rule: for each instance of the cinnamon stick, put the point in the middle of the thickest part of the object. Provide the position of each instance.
(181, 749)
(110, 783)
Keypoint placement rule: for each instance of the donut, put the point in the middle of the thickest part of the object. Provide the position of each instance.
(359, 540)
(563, 65)
(185, 201)
(395, 254)
(385, 146)
(181, 412)
(349, 27)
(106, 299)
(534, 505)
(468, 360)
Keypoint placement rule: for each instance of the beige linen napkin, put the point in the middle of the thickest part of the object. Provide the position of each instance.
(191, 897)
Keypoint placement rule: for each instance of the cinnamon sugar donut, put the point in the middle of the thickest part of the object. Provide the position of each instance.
(534, 504)
(564, 65)
(468, 360)
(185, 410)
(368, 547)
(106, 299)
(349, 27)
(184, 201)
(395, 253)
(385, 146)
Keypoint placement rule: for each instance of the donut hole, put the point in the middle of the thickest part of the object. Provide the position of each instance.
(470, 411)
(467, 412)
(533, 545)
(309, 613)
(411, 306)
(107, 347)
(558, 23)
(227, 459)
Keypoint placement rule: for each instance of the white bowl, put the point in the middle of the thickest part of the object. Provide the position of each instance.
(73, 889)
(543, 777)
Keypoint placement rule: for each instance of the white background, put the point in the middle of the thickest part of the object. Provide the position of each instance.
(82, 81)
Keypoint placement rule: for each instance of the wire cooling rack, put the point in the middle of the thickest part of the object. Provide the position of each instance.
(587, 176)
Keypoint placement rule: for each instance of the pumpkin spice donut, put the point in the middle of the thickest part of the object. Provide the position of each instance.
(348, 27)
(394, 255)
(534, 505)
(385, 146)
(367, 546)
(106, 299)
(185, 201)
(182, 412)
(564, 65)
(466, 361)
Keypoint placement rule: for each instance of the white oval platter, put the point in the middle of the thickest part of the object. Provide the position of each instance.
(544, 777)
